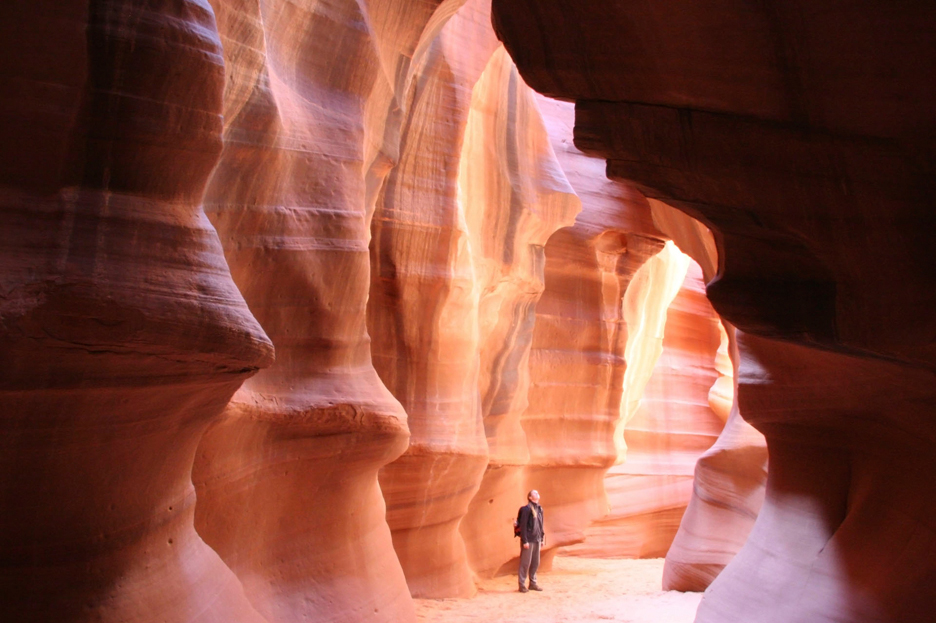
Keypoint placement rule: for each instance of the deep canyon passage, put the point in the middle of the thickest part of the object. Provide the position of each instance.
(299, 298)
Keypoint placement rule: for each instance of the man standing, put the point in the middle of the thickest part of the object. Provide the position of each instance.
(532, 536)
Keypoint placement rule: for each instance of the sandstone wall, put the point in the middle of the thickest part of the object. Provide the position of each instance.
(577, 360)
(287, 482)
(672, 424)
(446, 278)
(422, 314)
(802, 134)
(123, 336)
(730, 477)
(515, 195)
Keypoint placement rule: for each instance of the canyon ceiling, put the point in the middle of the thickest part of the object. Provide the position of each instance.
(299, 297)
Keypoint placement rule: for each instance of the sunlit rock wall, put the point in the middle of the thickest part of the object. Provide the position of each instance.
(515, 195)
(123, 336)
(287, 481)
(670, 427)
(730, 477)
(422, 313)
(802, 134)
(398, 210)
(577, 359)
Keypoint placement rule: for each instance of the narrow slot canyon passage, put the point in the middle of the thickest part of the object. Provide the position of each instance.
(300, 299)
(674, 405)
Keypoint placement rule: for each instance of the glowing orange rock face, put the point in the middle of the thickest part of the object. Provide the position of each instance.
(515, 196)
(422, 313)
(464, 307)
(287, 481)
(670, 423)
(577, 362)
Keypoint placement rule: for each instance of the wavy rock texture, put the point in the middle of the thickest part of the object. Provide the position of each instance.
(672, 422)
(423, 312)
(287, 482)
(123, 334)
(728, 488)
(577, 361)
(515, 195)
(729, 478)
(811, 161)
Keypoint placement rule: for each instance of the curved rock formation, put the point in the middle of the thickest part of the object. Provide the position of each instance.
(423, 313)
(287, 482)
(577, 359)
(802, 133)
(671, 425)
(728, 492)
(123, 334)
(515, 195)
(729, 478)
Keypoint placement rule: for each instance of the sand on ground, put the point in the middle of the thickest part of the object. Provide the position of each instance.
(577, 590)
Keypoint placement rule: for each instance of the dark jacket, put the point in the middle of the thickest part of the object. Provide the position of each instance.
(531, 527)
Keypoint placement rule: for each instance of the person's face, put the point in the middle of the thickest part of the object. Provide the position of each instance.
(534, 497)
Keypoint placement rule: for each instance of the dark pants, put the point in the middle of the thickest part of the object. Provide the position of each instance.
(529, 563)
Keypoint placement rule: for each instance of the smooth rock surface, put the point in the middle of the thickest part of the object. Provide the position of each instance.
(803, 135)
(515, 195)
(287, 482)
(671, 426)
(123, 336)
(422, 312)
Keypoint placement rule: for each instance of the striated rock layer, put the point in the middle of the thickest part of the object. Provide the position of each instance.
(729, 478)
(123, 336)
(728, 491)
(423, 312)
(287, 481)
(671, 425)
(515, 195)
(577, 363)
(803, 135)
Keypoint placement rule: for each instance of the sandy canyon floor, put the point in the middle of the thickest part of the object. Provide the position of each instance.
(577, 590)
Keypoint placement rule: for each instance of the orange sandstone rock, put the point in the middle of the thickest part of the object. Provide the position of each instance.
(123, 336)
(729, 478)
(577, 358)
(515, 195)
(423, 313)
(671, 425)
(287, 482)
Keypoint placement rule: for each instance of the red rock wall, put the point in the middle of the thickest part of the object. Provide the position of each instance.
(728, 491)
(398, 210)
(671, 426)
(123, 336)
(515, 195)
(287, 482)
(423, 314)
(802, 133)
(729, 478)
(577, 361)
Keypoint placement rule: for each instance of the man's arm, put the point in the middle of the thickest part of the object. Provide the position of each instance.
(523, 517)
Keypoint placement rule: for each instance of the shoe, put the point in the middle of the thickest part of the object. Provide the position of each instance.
(535, 587)
(524, 589)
